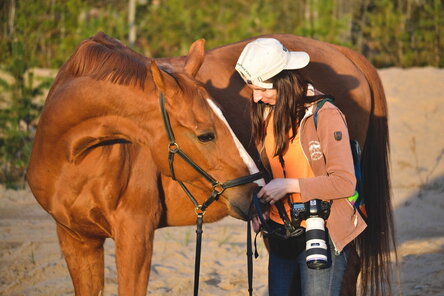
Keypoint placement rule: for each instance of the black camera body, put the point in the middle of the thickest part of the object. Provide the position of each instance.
(312, 208)
(314, 212)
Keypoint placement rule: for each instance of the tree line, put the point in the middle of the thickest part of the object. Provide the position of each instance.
(44, 33)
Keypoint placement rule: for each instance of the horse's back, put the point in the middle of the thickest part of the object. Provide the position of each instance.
(330, 70)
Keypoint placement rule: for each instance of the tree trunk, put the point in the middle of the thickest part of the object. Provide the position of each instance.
(131, 23)
(11, 18)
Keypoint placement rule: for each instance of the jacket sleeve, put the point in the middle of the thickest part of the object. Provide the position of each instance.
(337, 179)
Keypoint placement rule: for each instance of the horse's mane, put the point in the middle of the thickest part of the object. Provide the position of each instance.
(104, 58)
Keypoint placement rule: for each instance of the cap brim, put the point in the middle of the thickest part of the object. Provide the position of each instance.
(297, 60)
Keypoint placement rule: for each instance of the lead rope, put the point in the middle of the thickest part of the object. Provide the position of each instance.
(199, 232)
(249, 259)
(254, 204)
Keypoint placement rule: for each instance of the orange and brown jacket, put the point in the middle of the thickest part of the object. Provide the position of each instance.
(327, 149)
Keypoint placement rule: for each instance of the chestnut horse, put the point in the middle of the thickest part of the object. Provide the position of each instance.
(358, 92)
(334, 70)
(100, 159)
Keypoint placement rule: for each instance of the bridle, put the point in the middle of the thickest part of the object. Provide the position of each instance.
(217, 187)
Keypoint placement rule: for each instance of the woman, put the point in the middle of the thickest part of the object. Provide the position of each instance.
(307, 163)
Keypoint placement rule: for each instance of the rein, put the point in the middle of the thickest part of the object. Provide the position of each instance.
(217, 187)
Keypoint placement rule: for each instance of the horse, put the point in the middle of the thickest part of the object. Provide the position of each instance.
(103, 160)
(333, 69)
(354, 83)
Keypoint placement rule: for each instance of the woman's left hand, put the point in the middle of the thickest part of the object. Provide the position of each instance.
(277, 189)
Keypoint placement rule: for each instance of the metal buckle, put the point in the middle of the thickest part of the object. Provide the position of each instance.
(173, 147)
(218, 188)
(198, 210)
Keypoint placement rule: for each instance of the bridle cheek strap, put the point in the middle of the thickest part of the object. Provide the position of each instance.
(217, 187)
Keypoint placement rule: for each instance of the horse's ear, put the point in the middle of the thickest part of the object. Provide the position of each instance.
(195, 57)
(163, 81)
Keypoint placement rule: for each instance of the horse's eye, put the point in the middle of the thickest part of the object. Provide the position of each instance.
(207, 137)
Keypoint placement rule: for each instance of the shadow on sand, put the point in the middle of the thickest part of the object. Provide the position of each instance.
(419, 226)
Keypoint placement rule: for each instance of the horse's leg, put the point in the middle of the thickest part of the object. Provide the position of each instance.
(134, 248)
(85, 260)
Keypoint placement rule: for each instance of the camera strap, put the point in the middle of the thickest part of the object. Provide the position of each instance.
(290, 231)
(292, 228)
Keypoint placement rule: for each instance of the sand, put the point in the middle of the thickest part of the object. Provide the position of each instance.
(31, 262)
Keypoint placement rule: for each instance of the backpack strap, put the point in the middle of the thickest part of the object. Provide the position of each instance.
(319, 106)
(357, 200)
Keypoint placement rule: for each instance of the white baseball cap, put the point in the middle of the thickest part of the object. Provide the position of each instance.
(263, 58)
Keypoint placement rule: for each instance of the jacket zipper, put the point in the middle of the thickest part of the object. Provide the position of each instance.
(334, 246)
(355, 223)
(355, 214)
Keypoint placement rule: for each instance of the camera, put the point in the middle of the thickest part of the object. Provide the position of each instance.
(314, 212)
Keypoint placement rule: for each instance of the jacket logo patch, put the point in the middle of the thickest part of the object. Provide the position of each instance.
(315, 150)
(338, 136)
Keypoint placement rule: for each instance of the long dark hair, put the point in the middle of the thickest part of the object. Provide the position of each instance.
(288, 111)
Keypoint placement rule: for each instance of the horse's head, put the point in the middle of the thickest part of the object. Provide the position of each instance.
(199, 131)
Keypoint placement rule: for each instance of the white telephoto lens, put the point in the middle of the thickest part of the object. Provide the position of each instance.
(316, 246)
(315, 223)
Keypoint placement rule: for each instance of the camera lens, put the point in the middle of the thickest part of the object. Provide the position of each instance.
(316, 246)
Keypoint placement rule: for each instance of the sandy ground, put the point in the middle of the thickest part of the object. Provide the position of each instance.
(32, 264)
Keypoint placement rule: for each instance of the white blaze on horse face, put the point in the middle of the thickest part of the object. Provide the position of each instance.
(252, 168)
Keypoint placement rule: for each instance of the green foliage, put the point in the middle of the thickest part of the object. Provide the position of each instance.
(17, 98)
(189, 21)
(17, 121)
(403, 33)
(44, 33)
(426, 39)
(389, 32)
(220, 23)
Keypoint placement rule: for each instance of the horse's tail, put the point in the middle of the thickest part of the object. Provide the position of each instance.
(377, 240)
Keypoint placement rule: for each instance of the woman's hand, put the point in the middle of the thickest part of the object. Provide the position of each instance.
(256, 221)
(277, 189)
